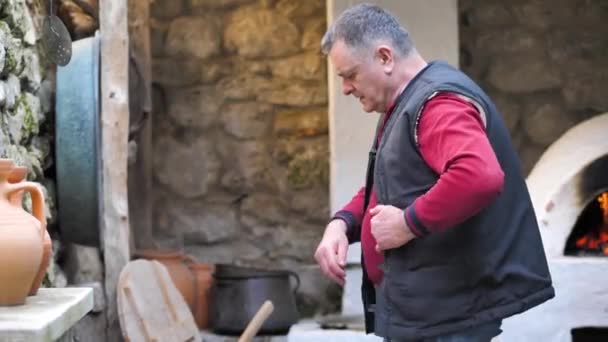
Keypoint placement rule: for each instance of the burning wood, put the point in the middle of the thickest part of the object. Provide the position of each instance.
(596, 239)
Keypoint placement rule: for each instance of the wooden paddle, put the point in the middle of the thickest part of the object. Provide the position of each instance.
(256, 322)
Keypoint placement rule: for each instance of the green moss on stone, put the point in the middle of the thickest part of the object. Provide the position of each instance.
(30, 124)
(10, 63)
(304, 171)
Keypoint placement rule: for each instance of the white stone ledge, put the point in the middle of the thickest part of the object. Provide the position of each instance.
(308, 330)
(581, 300)
(46, 316)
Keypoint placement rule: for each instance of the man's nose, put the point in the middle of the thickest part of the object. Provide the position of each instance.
(347, 88)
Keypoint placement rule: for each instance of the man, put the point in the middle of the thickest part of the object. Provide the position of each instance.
(450, 242)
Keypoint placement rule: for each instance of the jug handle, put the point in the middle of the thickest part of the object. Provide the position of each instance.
(297, 277)
(38, 209)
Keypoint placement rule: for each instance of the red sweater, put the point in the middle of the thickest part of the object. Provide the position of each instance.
(453, 143)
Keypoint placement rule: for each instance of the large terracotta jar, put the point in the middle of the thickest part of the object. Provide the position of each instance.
(203, 278)
(17, 175)
(177, 265)
(21, 239)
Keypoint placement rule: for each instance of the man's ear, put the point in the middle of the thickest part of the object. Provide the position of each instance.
(385, 56)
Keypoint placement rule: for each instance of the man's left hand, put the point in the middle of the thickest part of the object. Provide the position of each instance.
(389, 227)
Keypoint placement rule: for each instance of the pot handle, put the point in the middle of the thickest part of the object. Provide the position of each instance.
(297, 277)
(38, 207)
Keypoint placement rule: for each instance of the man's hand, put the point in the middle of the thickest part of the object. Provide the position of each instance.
(331, 253)
(389, 227)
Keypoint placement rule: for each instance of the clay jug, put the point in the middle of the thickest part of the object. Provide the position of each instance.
(17, 175)
(203, 278)
(177, 265)
(20, 238)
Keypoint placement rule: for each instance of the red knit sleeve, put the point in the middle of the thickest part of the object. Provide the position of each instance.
(453, 142)
(352, 213)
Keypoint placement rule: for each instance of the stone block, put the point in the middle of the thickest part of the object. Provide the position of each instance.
(292, 8)
(307, 330)
(488, 14)
(353, 257)
(581, 300)
(509, 74)
(194, 107)
(198, 37)
(297, 94)
(176, 72)
(201, 6)
(232, 251)
(91, 328)
(197, 163)
(165, 9)
(313, 33)
(302, 123)
(250, 164)
(317, 295)
(265, 207)
(547, 123)
(313, 203)
(83, 264)
(352, 303)
(255, 33)
(99, 298)
(247, 120)
(308, 66)
(245, 87)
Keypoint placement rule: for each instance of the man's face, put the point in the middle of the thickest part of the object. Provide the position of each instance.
(363, 77)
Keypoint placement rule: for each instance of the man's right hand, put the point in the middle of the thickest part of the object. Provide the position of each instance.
(331, 252)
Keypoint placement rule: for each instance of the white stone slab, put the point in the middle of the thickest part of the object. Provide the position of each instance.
(352, 303)
(581, 300)
(307, 331)
(354, 254)
(46, 316)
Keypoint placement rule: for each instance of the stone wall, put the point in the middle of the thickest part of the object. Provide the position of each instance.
(241, 134)
(544, 63)
(26, 90)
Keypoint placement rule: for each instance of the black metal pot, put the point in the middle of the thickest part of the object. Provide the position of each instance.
(238, 293)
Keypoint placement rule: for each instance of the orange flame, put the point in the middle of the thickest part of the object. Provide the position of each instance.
(603, 199)
(597, 239)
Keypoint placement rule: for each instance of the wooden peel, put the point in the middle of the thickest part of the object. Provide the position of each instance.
(256, 322)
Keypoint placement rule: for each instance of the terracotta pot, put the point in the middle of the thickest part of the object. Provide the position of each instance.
(17, 175)
(177, 264)
(203, 277)
(21, 238)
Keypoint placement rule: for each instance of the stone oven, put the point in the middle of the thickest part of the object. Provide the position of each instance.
(569, 190)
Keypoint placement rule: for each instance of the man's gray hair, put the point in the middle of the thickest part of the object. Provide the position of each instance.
(363, 25)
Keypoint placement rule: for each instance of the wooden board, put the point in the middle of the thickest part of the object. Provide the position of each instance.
(150, 306)
(114, 140)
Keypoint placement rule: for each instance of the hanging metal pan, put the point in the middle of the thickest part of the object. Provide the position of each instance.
(78, 160)
(56, 40)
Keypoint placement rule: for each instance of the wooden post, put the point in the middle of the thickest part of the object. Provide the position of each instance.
(140, 172)
(114, 144)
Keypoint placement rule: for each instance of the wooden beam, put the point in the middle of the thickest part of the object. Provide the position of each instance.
(140, 171)
(114, 143)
